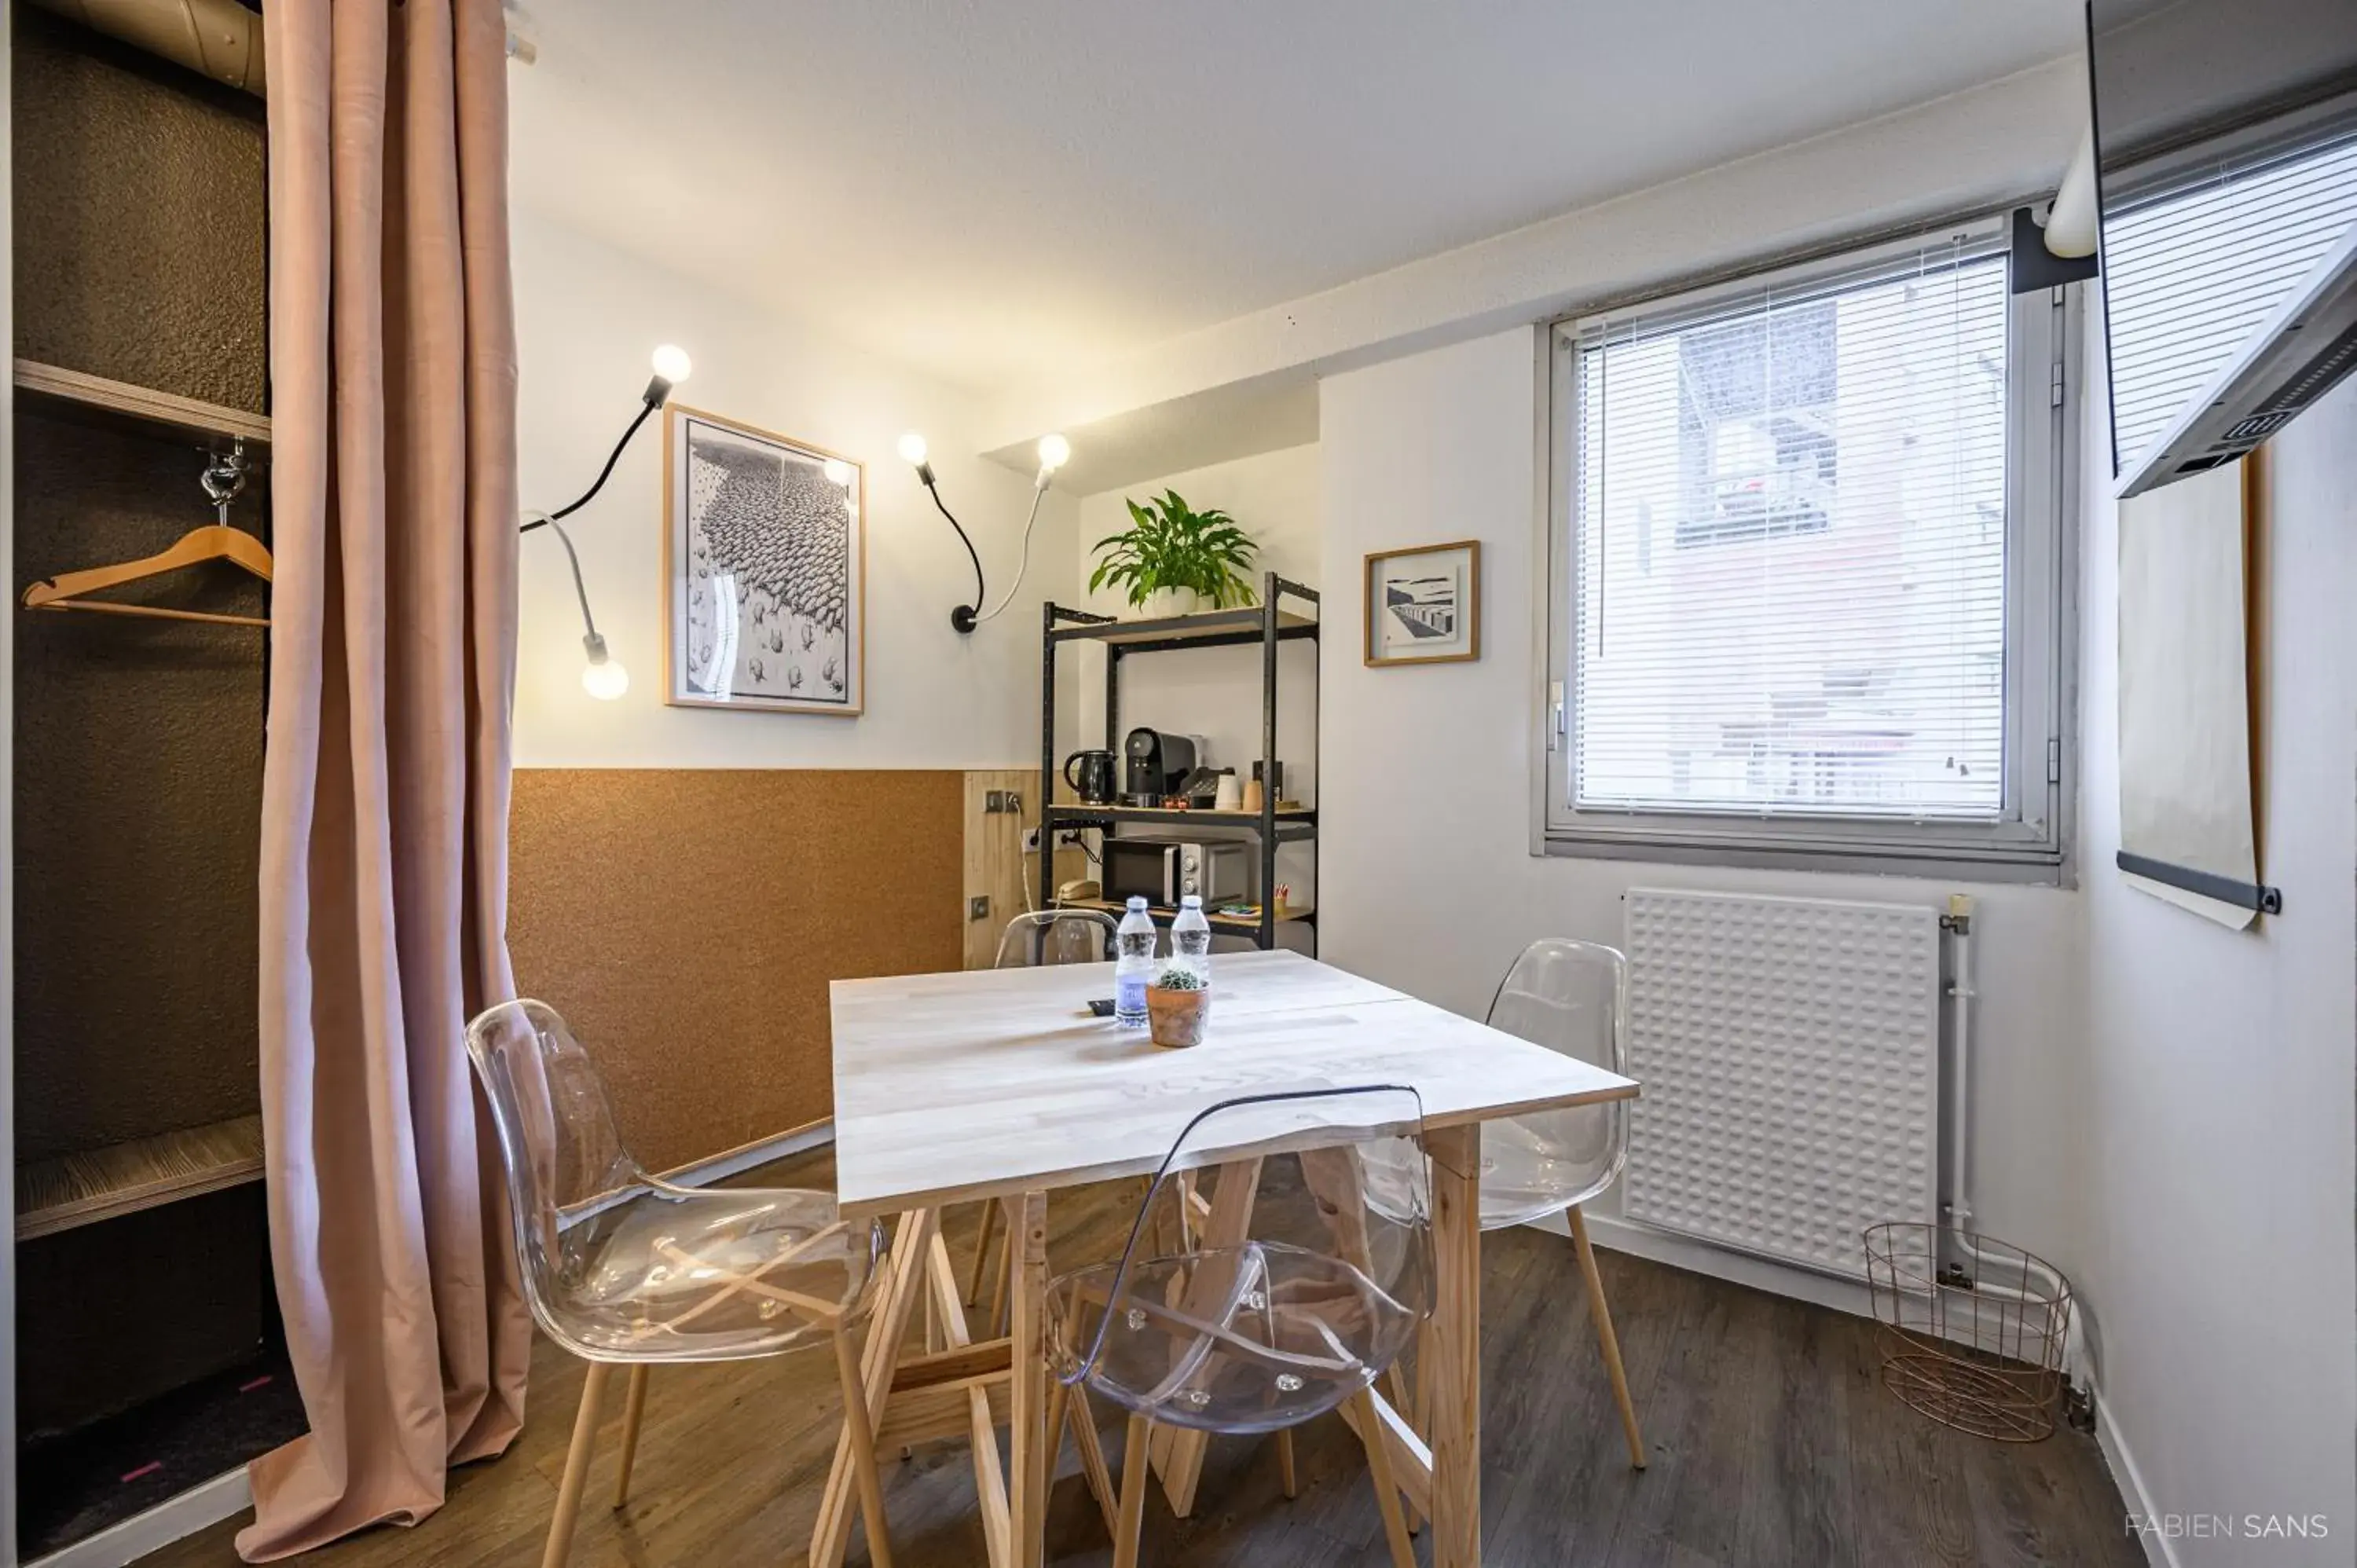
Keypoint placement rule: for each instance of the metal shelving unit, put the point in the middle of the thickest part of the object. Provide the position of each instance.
(1269, 624)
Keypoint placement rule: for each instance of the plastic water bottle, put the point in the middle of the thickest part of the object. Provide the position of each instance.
(1133, 965)
(1190, 940)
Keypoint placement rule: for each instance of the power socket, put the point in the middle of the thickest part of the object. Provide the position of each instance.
(1030, 841)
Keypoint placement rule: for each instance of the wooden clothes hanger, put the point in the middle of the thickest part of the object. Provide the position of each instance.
(223, 477)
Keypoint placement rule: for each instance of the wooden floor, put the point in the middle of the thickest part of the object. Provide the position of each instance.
(1771, 1444)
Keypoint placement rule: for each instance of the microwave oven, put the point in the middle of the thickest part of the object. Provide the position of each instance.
(1163, 871)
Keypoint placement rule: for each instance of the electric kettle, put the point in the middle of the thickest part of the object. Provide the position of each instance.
(1090, 773)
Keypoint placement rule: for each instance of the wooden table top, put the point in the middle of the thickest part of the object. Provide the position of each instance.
(993, 1082)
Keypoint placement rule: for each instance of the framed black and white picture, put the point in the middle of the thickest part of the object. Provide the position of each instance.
(765, 562)
(1424, 604)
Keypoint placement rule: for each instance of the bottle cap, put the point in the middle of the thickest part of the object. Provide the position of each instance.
(1190, 902)
(1135, 902)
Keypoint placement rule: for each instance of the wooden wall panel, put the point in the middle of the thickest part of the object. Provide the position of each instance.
(687, 921)
(995, 866)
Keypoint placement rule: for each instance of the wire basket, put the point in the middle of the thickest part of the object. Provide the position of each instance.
(1972, 1328)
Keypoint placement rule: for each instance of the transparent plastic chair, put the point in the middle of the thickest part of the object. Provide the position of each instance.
(1280, 1296)
(1573, 998)
(1048, 937)
(620, 1267)
(1056, 936)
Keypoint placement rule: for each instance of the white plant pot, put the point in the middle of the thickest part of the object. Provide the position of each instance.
(1164, 602)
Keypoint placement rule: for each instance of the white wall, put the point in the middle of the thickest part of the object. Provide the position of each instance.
(2221, 1144)
(1429, 882)
(1215, 693)
(586, 318)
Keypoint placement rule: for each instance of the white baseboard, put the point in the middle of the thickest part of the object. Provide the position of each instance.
(226, 1495)
(1702, 1258)
(200, 1508)
(2158, 1549)
(749, 1156)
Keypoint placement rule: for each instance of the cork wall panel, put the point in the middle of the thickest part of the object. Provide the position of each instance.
(139, 198)
(138, 793)
(687, 921)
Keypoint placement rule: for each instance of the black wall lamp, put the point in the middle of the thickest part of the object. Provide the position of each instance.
(603, 676)
(1054, 453)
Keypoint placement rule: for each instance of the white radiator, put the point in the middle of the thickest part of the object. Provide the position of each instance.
(1789, 1054)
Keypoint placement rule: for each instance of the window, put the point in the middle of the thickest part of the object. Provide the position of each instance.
(2192, 268)
(1808, 554)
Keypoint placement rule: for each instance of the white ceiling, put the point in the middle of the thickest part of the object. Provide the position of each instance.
(998, 190)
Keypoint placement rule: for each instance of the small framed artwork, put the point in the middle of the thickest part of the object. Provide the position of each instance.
(765, 556)
(1424, 606)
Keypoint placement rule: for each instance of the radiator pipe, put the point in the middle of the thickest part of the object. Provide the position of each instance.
(1959, 925)
(218, 39)
(1962, 1250)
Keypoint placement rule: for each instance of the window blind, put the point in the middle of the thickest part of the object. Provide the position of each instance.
(1789, 545)
(2188, 274)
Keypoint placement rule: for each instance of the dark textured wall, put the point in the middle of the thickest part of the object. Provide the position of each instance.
(139, 255)
(137, 821)
(109, 1315)
(140, 240)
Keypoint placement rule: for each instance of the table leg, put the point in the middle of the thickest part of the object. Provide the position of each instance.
(1177, 1451)
(989, 1480)
(1454, 1414)
(1033, 1446)
(903, 1272)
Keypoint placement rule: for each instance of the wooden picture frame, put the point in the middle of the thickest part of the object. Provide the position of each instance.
(1432, 600)
(765, 570)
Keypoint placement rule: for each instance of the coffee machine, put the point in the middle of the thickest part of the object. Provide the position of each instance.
(1154, 764)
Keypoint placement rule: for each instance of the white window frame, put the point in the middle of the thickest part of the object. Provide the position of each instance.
(2031, 840)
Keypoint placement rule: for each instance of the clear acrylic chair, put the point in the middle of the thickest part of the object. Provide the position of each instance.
(621, 1268)
(1573, 998)
(1282, 1295)
(1056, 936)
(1046, 936)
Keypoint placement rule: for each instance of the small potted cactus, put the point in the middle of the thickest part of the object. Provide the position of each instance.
(1177, 1004)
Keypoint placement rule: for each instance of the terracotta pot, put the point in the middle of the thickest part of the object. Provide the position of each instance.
(1176, 1018)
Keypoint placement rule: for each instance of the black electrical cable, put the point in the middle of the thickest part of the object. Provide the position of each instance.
(963, 617)
(603, 474)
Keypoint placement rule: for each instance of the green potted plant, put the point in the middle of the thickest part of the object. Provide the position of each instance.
(1178, 1005)
(1173, 560)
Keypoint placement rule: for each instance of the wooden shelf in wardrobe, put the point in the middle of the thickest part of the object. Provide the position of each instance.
(58, 1194)
(78, 395)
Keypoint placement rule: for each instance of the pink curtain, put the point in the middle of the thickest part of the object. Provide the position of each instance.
(385, 788)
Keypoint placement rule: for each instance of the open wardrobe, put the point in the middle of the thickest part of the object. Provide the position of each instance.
(149, 1353)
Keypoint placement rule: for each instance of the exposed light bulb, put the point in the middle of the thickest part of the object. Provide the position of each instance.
(605, 681)
(1054, 452)
(913, 449)
(837, 471)
(671, 363)
(603, 677)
